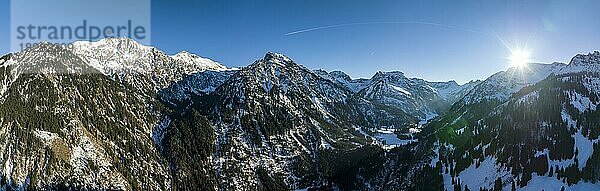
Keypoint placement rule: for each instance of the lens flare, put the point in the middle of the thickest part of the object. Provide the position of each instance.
(519, 58)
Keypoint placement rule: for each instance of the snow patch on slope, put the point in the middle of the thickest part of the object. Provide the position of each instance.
(158, 132)
(484, 175)
(48, 137)
(584, 146)
(401, 90)
(538, 183)
(196, 60)
(582, 103)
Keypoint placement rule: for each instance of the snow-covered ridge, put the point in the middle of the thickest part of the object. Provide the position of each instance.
(115, 55)
(416, 97)
(277, 70)
(124, 60)
(344, 79)
(450, 90)
(144, 67)
(583, 63)
(196, 60)
(48, 58)
(502, 85)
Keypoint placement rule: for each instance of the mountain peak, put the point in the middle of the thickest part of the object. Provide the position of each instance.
(6, 58)
(278, 57)
(583, 63)
(275, 60)
(340, 75)
(392, 75)
(195, 60)
(185, 54)
(590, 58)
(113, 45)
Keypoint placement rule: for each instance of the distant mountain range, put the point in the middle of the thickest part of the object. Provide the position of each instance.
(118, 115)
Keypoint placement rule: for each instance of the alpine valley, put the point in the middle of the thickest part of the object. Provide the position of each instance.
(118, 115)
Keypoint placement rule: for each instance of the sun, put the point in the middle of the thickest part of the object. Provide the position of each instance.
(519, 58)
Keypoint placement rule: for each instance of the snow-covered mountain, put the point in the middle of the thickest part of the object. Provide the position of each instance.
(539, 137)
(582, 63)
(69, 123)
(414, 96)
(344, 79)
(502, 85)
(66, 125)
(144, 67)
(387, 91)
(115, 114)
(278, 116)
(492, 92)
(452, 91)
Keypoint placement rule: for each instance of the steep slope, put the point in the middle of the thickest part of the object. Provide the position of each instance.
(285, 111)
(66, 125)
(89, 117)
(490, 93)
(544, 136)
(279, 125)
(197, 84)
(582, 63)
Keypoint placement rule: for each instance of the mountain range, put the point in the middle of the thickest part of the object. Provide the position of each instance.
(118, 115)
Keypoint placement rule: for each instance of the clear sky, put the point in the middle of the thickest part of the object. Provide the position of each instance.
(435, 40)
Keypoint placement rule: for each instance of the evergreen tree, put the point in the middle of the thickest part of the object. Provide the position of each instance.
(513, 186)
(498, 184)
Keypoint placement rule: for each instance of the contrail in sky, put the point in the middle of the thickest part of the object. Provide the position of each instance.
(493, 35)
(379, 23)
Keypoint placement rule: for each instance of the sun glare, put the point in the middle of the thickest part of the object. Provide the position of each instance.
(519, 58)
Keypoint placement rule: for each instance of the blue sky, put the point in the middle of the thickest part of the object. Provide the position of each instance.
(434, 40)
